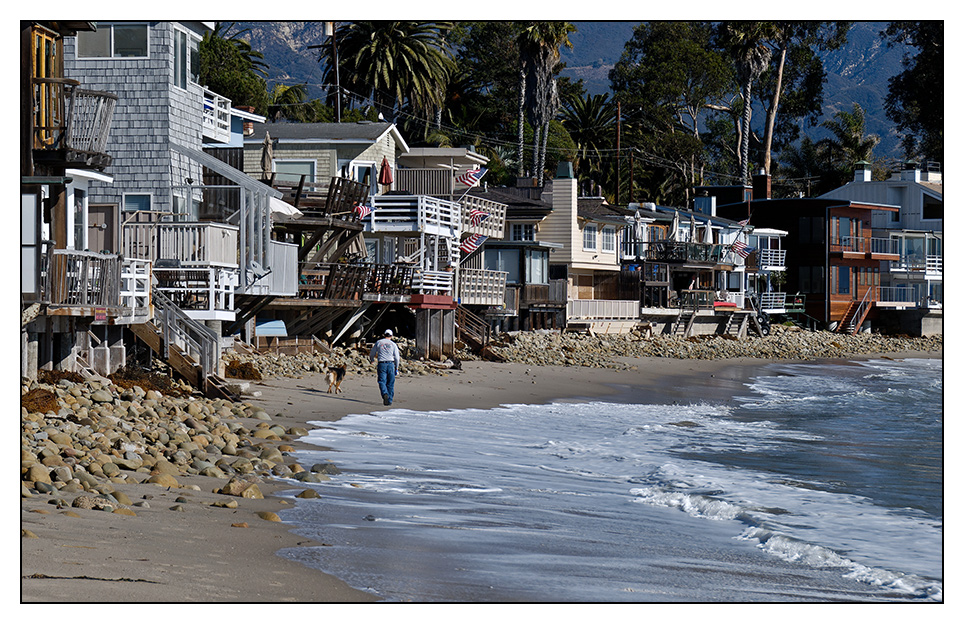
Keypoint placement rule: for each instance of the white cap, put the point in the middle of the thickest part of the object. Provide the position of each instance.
(388, 332)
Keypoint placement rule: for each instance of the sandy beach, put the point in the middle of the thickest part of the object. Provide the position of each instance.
(203, 553)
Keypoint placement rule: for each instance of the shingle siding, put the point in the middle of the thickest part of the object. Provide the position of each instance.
(150, 114)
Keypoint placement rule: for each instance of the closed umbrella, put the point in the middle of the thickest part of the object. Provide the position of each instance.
(267, 156)
(385, 175)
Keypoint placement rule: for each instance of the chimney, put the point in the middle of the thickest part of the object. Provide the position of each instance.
(911, 172)
(761, 185)
(705, 204)
(564, 192)
(862, 171)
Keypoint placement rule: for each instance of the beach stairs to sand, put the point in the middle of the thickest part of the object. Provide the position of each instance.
(190, 348)
(683, 326)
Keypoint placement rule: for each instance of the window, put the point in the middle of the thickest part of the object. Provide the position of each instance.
(932, 208)
(80, 222)
(608, 239)
(186, 59)
(537, 266)
(843, 280)
(589, 237)
(504, 260)
(523, 232)
(137, 201)
(113, 41)
(292, 170)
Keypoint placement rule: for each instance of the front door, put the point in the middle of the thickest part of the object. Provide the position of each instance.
(102, 228)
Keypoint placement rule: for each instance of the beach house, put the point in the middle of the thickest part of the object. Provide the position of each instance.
(910, 297)
(833, 254)
(384, 234)
(205, 254)
(77, 292)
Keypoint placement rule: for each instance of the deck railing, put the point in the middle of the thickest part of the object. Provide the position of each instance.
(770, 259)
(427, 181)
(135, 287)
(415, 213)
(771, 301)
(910, 294)
(352, 281)
(433, 282)
(861, 244)
(191, 244)
(194, 338)
(70, 118)
(492, 226)
(673, 251)
(482, 287)
(202, 292)
(602, 309)
(216, 121)
(81, 278)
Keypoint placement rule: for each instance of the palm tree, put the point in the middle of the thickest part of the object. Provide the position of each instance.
(850, 145)
(539, 50)
(746, 42)
(394, 63)
(591, 121)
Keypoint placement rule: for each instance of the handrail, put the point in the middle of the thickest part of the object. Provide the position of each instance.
(197, 340)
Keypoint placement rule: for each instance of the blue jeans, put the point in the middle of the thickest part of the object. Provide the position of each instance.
(386, 380)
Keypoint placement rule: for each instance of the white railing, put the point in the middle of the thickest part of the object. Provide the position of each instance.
(415, 213)
(191, 244)
(217, 117)
(482, 287)
(889, 246)
(432, 282)
(772, 301)
(772, 259)
(602, 309)
(424, 181)
(135, 287)
(492, 226)
(911, 294)
(738, 298)
(204, 293)
(282, 280)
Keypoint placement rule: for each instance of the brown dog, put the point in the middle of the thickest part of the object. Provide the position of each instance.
(335, 375)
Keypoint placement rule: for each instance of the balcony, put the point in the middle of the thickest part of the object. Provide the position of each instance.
(492, 226)
(375, 282)
(682, 253)
(415, 214)
(482, 287)
(866, 247)
(900, 297)
(216, 121)
(81, 279)
(70, 124)
(772, 259)
(191, 244)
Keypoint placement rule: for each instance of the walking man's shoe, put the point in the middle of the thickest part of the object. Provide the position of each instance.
(386, 400)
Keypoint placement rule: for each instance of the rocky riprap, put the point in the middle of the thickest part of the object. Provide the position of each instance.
(552, 348)
(95, 436)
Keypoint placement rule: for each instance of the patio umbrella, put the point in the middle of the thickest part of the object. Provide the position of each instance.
(267, 156)
(638, 226)
(675, 227)
(385, 175)
(692, 229)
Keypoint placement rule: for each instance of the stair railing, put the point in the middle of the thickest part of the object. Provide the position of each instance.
(195, 338)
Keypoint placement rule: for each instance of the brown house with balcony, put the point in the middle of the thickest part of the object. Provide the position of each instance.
(833, 260)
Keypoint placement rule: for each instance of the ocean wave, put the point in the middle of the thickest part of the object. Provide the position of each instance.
(774, 542)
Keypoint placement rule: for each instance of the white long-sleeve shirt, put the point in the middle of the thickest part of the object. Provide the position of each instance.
(385, 350)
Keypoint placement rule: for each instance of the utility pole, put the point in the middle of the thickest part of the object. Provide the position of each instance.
(619, 122)
(330, 28)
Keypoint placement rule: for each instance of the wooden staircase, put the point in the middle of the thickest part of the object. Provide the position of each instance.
(856, 314)
(684, 323)
(471, 329)
(188, 346)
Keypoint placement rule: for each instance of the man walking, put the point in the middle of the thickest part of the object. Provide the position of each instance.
(385, 353)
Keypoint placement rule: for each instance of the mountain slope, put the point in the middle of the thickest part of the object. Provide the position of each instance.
(857, 73)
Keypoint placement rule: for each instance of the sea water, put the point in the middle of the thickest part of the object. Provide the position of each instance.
(821, 482)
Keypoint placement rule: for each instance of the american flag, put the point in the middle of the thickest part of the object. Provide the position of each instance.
(472, 243)
(742, 249)
(477, 216)
(471, 177)
(362, 211)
